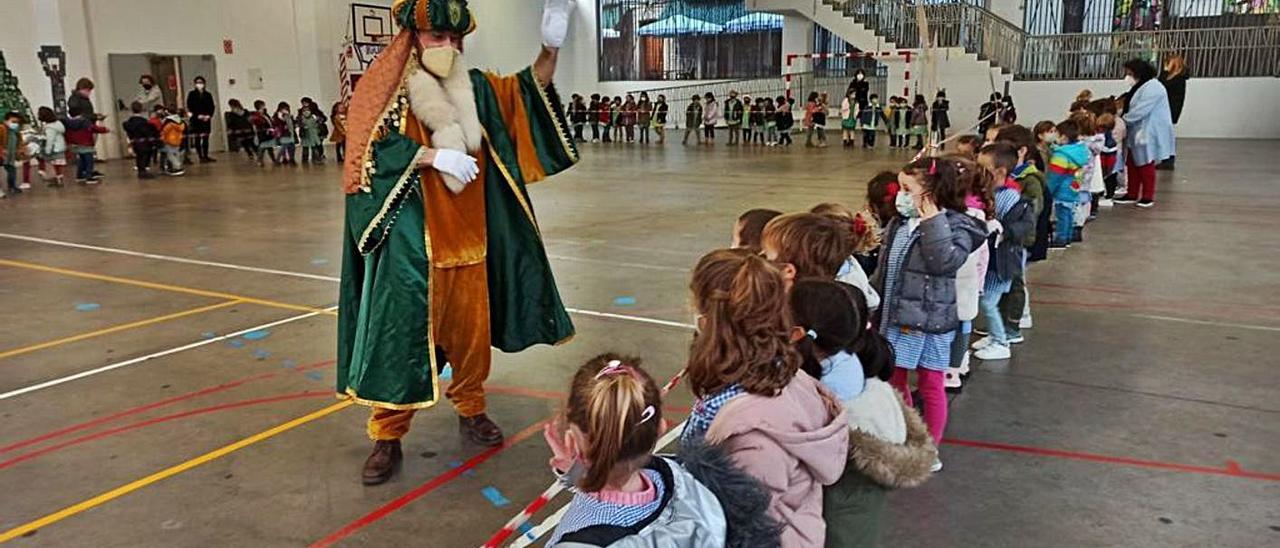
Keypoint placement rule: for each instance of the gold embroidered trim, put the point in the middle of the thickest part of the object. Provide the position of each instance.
(511, 182)
(394, 197)
(351, 395)
(431, 332)
(561, 131)
(380, 127)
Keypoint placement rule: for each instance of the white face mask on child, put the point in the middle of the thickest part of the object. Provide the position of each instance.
(1130, 81)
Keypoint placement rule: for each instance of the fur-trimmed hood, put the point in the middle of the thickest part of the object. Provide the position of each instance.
(894, 465)
(745, 502)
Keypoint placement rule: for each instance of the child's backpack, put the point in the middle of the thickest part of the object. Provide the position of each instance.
(173, 133)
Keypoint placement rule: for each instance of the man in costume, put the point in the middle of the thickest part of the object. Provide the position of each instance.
(442, 254)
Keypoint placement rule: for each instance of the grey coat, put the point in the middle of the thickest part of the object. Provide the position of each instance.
(926, 298)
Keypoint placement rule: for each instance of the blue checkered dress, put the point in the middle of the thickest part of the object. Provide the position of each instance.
(586, 510)
(914, 348)
(1006, 198)
(705, 410)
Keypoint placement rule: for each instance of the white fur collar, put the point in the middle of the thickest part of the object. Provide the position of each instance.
(448, 109)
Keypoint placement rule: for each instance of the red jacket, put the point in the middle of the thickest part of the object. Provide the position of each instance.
(81, 132)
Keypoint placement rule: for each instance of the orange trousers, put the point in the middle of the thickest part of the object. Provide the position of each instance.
(460, 324)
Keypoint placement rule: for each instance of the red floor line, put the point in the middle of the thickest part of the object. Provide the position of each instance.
(157, 420)
(1232, 469)
(554, 396)
(150, 406)
(429, 486)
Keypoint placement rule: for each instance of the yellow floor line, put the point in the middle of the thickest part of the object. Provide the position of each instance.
(160, 286)
(166, 473)
(116, 328)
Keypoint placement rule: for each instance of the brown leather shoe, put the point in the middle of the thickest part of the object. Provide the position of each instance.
(383, 463)
(480, 429)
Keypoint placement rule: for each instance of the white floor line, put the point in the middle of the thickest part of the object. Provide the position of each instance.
(170, 258)
(1204, 322)
(160, 354)
(185, 260)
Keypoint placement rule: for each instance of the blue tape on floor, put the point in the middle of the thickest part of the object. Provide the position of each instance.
(624, 301)
(209, 334)
(446, 373)
(257, 335)
(261, 354)
(87, 307)
(524, 528)
(319, 261)
(202, 248)
(289, 364)
(315, 375)
(495, 496)
(235, 343)
(454, 463)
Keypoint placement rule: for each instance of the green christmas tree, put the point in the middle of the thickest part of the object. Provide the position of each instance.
(11, 98)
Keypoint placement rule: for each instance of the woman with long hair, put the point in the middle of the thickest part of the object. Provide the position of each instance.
(1174, 77)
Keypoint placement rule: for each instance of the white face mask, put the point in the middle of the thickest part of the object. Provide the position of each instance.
(859, 77)
(906, 205)
(13, 125)
(1130, 81)
(200, 86)
(439, 60)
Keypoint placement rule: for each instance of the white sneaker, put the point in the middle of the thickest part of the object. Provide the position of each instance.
(1106, 202)
(964, 364)
(993, 352)
(937, 466)
(982, 343)
(1017, 339)
(24, 186)
(1025, 322)
(951, 379)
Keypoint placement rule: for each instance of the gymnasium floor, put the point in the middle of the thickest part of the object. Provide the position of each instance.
(166, 360)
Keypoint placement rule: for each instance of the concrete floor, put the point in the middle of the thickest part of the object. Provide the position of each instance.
(1141, 411)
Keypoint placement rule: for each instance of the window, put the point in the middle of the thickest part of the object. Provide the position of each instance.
(687, 40)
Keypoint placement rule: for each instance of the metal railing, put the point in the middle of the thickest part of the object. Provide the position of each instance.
(1210, 52)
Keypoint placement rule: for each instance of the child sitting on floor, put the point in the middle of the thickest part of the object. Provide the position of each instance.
(601, 449)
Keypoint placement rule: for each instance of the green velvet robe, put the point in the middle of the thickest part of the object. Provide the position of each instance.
(386, 354)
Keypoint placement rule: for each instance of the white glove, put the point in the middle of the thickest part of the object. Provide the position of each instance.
(456, 165)
(555, 21)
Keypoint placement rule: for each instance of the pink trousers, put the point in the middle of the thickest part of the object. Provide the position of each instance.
(932, 391)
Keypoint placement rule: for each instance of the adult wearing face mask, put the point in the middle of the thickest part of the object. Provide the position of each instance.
(1149, 139)
(860, 88)
(148, 93)
(438, 148)
(201, 107)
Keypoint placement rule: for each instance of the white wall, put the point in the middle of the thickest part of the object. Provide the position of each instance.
(1216, 108)
(1010, 10)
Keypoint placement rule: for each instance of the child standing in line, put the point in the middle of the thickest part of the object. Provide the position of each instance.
(757, 121)
(173, 135)
(785, 119)
(749, 229)
(81, 131)
(309, 134)
(923, 248)
(286, 134)
(338, 115)
(576, 112)
(967, 146)
(660, 118)
(902, 128)
(776, 425)
(143, 138)
(1067, 158)
(605, 115)
(749, 118)
(644, 117)
(1008, 257)
(970, 277)
(869, 119)
(811, 245)
(622, 494)
(919, 121)
(615, 118)
(593, 116)
(53, 150)
(1110, 154)
(11, 150)
(876, 212)
(264, 132)
(770, 122)
(815, 116)
(629, 115)
(890, 447)
(939, 120)
(1092, 176)
(693, 120)
(1015, 307)
(848, 119)
(710, 117)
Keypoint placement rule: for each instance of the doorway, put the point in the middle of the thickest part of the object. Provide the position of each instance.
(173, 73)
